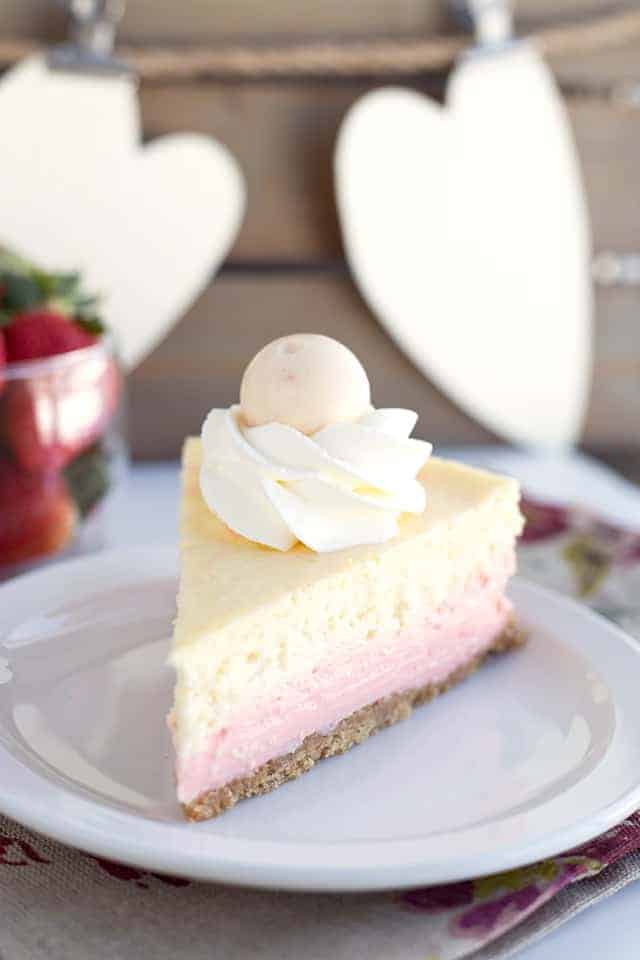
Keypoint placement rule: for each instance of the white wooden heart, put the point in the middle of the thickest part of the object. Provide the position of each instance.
(148, 225)
(467, 233)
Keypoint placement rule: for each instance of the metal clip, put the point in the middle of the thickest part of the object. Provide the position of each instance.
(491, 21)
(92, 39)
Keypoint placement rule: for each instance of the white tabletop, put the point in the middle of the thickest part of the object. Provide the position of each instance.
(145, 512)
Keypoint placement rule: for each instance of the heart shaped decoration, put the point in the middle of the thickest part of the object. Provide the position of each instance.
(467, 233)
(147, 225)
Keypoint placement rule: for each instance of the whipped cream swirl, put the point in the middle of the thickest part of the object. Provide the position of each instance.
(344, 485)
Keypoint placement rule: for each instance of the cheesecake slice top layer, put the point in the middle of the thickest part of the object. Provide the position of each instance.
(226, 577)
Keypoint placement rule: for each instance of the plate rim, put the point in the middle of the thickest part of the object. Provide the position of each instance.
(251, 863)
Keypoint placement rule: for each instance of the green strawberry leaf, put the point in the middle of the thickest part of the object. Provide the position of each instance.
(86, 300)
(90, 322)
(20, 292)
(10, 262)
(45, 281)
(24, 286)
(66, 284)
(88, 478)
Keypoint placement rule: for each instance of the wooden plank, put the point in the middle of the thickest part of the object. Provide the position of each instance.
(32, 19)
(608, 140)
(203, 21)
(200, 20)
(614, 410)
(626, 462)
(200, 364)
(536, 11)
(605, 70)
(283, 134)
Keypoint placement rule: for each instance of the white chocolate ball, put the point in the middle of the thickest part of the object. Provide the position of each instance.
(306, 381)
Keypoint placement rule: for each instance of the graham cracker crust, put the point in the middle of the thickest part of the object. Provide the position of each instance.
(348, 733)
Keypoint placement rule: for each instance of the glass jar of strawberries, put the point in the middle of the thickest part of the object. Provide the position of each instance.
(61, 439)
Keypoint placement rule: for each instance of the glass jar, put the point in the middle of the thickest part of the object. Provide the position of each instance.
(62, 453)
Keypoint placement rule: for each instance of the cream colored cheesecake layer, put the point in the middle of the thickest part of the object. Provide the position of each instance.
(251, 618)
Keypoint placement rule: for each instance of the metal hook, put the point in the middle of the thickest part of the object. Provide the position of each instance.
(92, 39)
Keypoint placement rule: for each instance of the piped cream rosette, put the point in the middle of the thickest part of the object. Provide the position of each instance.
(344, 485)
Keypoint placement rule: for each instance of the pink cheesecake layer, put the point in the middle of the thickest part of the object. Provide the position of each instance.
(428, 652)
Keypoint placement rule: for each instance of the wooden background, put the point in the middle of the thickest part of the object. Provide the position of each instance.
(286, 271)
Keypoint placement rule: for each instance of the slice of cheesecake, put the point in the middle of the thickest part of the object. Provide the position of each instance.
(286, 657)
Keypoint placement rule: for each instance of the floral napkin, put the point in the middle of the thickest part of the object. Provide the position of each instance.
(61, 904)
(573, 551)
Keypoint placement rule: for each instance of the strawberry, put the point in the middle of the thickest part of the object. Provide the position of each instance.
(50, 418)
(3, 360)
(51, 413)
(43, 314)
(37, 518)
(44, 332)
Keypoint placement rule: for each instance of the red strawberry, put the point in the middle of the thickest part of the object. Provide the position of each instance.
(37, 515)
(39, 333)
(50, 418)
(3, 360)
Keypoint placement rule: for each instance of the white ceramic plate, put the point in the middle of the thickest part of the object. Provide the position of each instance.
(539, 751)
